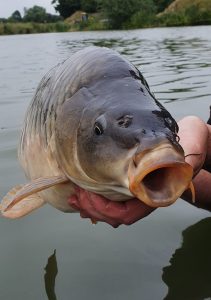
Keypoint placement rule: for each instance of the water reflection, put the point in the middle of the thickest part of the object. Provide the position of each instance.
(50, 276)
(189, 275)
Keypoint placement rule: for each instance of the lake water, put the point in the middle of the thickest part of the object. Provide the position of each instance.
(166, 255)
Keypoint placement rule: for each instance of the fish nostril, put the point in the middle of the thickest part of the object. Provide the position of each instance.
(125, 121)
(121, 123)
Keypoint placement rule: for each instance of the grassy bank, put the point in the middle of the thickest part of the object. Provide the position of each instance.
(186, 12)
(187, 18)
(26, 28)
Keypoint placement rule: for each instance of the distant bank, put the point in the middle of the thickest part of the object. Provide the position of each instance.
(29, 27)
(178, 13)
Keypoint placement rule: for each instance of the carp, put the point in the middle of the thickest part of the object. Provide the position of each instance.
(94, 123)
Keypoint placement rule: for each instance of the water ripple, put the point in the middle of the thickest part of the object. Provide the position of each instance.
(99, 263)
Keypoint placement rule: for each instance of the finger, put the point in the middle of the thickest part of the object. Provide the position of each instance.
(208, 157)
(108, 209)
(137, 210)
(101, 209)
(193, 133)
(88, 210)
(201, 182)
(125, 213)
(73, 202)
(86, 205)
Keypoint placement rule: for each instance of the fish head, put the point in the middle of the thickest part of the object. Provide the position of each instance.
(114, 134)
(137, 149)
(128, 146)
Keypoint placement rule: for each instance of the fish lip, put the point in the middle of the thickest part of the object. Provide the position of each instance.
(164, 165)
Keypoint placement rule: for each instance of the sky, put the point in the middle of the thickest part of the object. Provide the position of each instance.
(7, 7)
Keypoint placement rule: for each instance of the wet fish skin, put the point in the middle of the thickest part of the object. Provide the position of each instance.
(90, 121)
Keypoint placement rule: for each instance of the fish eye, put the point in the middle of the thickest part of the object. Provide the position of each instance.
(100, 125)
(98, 128)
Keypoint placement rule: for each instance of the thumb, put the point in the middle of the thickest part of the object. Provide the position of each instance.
(193, 133)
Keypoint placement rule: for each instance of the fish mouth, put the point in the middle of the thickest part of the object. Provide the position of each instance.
(159, 176)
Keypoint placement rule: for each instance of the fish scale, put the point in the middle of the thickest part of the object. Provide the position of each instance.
(94, 123)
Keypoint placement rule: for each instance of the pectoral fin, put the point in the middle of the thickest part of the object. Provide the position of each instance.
(22, 208)
(23, 199)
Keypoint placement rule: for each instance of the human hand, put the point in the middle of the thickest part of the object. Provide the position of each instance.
(98, 208)
(195, 138)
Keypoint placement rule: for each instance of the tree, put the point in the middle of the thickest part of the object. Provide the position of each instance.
(15, 17)
(145, 15)
(53, 18)
(120, 11)
(35, 14)
(66, 7)
(89, 6)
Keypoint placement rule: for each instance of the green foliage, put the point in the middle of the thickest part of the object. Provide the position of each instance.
(26, 28)
(53, 18)
(145, 16)
(89, 6)
(162, 4)
(171, 19)
(61, 27)
(35, 14)
(38, 14)
(97, 26)
(196, 16)
(191, 16)
(15, 17)
(130, 13)
(3, 20)
(119, 11)
(66, 7)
